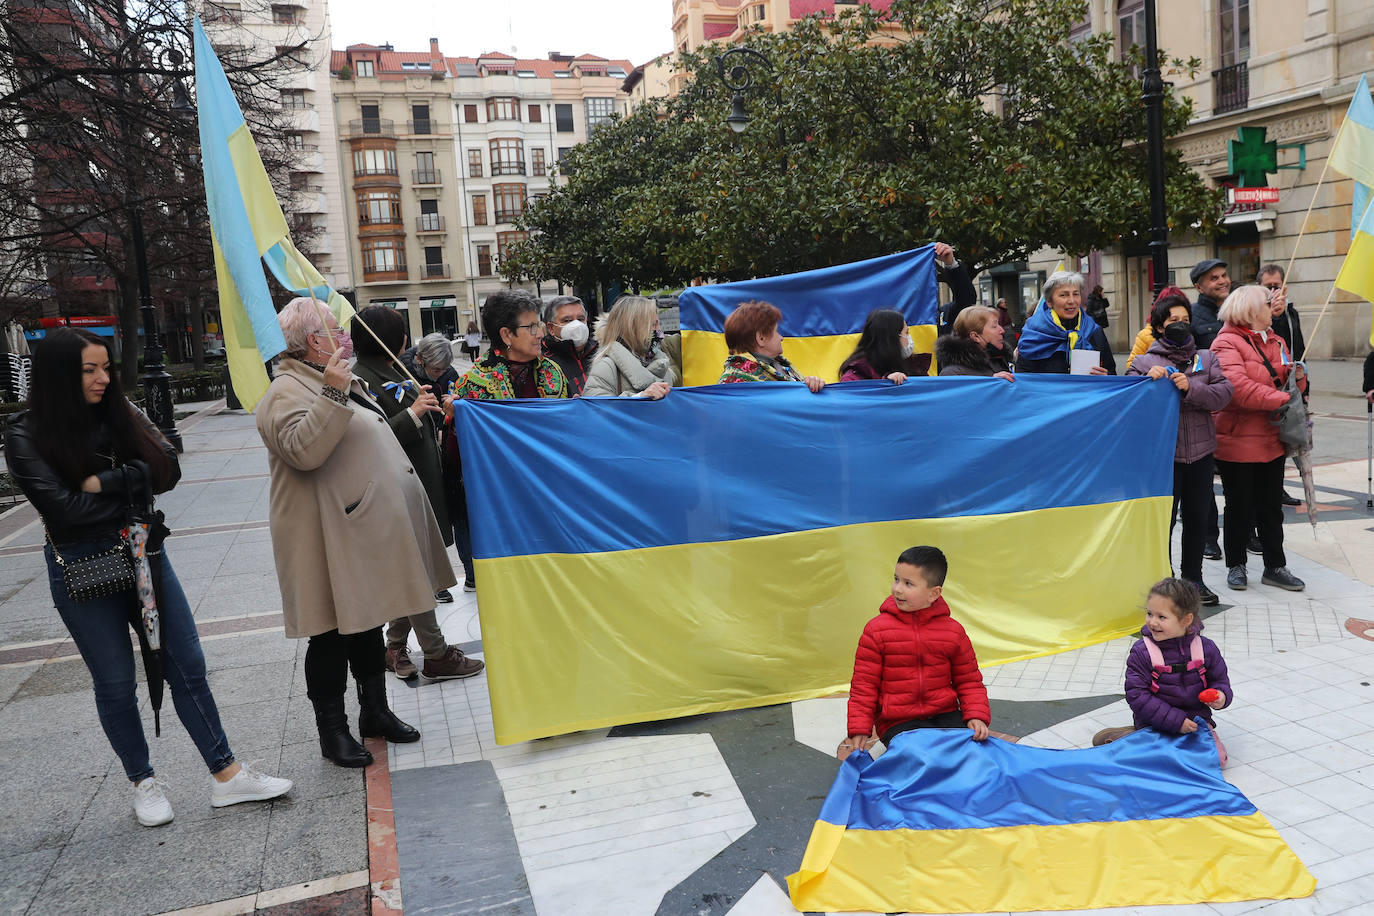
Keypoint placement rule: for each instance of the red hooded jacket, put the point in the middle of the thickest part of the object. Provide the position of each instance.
(1244, 432)
(913, 666)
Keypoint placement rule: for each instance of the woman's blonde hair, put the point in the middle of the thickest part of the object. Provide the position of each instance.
(630, 321)
(1245, 306)
(973, 319)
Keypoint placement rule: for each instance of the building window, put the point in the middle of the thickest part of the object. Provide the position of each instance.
(284, 15)
(435, 268)
(562, 117)
(510, 201)
(504, 241)
(1234, 32)
(379, 208)
(430, 220)
(216, 12)
(364, 67)
(503, 109)
(536, 114)
(374, 162)
(563, 151)
(295, 141)
(479, 209)
(507, 157)
(372, 120)
(537, 166)
(419, 119)
(474, 163)
(425, 173)
(384, 255)
(470, 114)
(484, 260)
(294, 98)
(599, 112)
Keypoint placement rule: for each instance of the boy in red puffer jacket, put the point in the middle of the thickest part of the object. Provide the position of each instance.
(915, 666)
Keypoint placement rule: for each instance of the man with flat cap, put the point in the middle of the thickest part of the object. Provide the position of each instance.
(1213, 285)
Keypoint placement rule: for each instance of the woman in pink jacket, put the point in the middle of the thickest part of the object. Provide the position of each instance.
(1249, 455)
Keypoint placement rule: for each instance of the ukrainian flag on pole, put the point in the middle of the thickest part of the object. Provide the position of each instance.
(247, 229)
(1353, 155)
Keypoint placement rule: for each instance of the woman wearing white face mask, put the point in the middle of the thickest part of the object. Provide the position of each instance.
(883, 348)
(567, 339)
(630, 362)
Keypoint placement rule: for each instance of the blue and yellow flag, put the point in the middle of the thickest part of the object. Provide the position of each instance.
(823, 312)
(732, 540)
(943, 824)
(1353, 155)
(247, 229)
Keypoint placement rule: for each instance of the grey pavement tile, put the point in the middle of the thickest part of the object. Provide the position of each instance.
(251, 683)
(42, 807)
(313, 775)
(155, 869)
(237, 650)
(315, 838)
(256, 724)
(455, 842)
(55, 678)
(12, 678)
(37, 624)
(264, 597)
(24, 874)
(61, 714)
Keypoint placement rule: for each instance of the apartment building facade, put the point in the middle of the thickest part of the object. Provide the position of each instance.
(260, 29)
(1289, 67)
(495, 127)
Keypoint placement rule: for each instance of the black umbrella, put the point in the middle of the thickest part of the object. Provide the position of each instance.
(145, 535)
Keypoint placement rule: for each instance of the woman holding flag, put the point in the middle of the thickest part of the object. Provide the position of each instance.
(84, 456)
(354, 537)
(1060, 326)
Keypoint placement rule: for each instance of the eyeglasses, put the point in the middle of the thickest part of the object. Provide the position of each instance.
(535, 328)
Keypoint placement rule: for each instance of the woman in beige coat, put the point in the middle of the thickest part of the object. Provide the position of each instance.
(353, 534)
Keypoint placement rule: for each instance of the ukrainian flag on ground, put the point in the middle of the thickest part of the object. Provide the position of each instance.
(942, 824)
(247, 229)
(722, 548)
(1353, 155)
(823, 312)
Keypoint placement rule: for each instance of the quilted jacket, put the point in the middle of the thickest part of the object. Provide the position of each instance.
(913, 666)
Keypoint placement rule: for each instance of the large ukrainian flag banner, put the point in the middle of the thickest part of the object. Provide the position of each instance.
(942, 824)
(723, 547)
(1353, 154)
(247, 230)
(823, 312)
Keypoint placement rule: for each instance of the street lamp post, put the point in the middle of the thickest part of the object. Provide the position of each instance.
(739, 80)
(157, 384)
(1153, 96)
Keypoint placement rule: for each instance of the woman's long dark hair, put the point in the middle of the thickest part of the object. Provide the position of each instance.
(880, 343)
(64, 425)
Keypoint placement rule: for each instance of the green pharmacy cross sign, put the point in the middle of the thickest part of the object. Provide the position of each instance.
(1252, 158)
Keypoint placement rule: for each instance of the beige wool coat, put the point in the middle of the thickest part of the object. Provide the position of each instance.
(353, 534)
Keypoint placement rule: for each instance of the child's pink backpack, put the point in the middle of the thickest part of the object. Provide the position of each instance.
(1157, 667)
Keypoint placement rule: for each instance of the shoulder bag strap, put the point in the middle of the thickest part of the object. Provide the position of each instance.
(1272, 374)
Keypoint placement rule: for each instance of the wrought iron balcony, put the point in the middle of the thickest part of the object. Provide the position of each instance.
(1231, 88)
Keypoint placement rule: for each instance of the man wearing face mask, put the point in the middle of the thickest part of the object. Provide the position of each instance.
(1202, 388)
(567, 339)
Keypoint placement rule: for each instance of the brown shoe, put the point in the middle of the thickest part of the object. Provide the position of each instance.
(1108, 735)
(398, 661)
(453, 664)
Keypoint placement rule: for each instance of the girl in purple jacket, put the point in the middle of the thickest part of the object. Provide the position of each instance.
(1173, 674)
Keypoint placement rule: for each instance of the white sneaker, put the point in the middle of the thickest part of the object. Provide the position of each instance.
(469, 587)
(151, 806)
(247, 785)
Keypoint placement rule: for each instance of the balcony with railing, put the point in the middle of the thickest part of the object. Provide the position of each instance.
(508, 167)
(1231, 88)
(370, 127)
(426, 176)
(434, 272)
(429, 222)
(508, 216)
(380, 275)
(426, 127)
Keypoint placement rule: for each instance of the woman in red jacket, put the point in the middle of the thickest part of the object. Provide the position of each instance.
(1249, 454)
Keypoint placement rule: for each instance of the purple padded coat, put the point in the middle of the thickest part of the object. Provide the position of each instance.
(1208, 391)
(1176, 699)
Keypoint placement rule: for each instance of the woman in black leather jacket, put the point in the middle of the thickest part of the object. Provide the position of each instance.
(84, 456)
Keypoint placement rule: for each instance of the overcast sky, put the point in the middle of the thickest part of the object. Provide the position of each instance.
(636, 30)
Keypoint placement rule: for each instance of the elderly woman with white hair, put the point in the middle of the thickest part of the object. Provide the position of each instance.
(1249, 455)
(353, 534)
(431, 362)
(1060, 326)
(630, 362)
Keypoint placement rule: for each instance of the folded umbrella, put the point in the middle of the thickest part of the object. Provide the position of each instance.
(144, 536)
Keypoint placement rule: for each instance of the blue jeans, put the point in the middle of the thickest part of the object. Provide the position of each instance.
(101, 631)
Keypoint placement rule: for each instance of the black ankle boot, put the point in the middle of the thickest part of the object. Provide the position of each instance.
(336, 743)
(375, 718)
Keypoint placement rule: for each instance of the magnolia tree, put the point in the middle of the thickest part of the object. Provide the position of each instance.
(969, 121)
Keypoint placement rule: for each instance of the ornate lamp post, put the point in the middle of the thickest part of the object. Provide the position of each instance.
(738, 79)
(1153, 96)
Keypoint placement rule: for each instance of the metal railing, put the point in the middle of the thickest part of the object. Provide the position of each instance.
(426, 127)
(508, 216)
(426, 176)
(508, 168)
(371, 127)
(429, 222)
(1231, 88)
(435, 272)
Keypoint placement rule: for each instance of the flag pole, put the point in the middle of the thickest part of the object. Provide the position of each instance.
(1332, 292)
(1303, 227)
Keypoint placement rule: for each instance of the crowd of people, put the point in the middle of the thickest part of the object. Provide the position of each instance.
(366, 473)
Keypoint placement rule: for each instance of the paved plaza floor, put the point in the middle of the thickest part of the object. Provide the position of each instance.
(704, 815)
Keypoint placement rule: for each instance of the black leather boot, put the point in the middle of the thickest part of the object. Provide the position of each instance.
(375, 718)
(336, 743)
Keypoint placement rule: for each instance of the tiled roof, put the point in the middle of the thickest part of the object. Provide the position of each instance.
(543, 68)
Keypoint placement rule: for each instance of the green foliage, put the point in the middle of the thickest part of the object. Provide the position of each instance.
(977, 127)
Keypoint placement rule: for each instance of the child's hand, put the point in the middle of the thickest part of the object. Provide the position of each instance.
(1189, 726)
(854, 743)
(1218, 701)
(980, 729)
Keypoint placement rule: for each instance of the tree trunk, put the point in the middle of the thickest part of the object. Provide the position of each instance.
(128, 330)
(193, 302)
